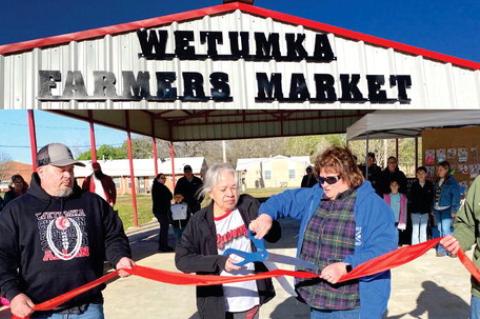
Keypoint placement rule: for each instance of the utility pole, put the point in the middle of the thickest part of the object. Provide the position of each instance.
(224, 151)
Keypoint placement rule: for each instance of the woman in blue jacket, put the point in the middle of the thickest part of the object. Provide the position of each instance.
(343, 224)
(446, 203)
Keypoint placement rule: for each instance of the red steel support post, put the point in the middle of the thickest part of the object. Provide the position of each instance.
(33, 138)
(155, 155)
(132, 173)
(93, 144)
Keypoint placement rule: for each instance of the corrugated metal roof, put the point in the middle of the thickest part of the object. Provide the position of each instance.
(197, 125)
(438, 81)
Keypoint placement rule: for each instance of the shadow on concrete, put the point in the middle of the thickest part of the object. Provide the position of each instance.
(291, 308)
(145, 244)
(436, 302)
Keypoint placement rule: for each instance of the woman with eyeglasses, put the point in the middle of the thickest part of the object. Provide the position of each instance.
(343, 224)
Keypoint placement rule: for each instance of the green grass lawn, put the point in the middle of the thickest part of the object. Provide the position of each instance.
(144, 205)
(125, 209)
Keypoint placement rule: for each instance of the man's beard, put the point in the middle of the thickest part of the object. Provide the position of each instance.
(64, 192)
(98, 174)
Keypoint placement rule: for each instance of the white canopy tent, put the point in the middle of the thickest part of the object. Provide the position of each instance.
(404, 124)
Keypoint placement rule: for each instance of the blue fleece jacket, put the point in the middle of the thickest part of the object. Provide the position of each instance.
(375, 235)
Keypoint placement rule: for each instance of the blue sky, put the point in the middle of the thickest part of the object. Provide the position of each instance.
(450, 27)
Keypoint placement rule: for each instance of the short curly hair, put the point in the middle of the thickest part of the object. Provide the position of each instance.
(341, 161)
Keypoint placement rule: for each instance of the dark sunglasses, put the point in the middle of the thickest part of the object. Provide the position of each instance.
(329, 180)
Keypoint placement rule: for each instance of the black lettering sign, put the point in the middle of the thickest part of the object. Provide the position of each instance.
(298, 88)
(325, 85)
(350, 91)
(269, 90)
(48, 82)
(183, 49)
(74, 86)
(193, 87)
(136, 88)
(295, 49)
(323, 51)
(153, 43)
(403, 83)
(237, 52)
(375, 92)
(212, 39)
(104, 84)
(220, 88)
(165, 89)
(267, 49)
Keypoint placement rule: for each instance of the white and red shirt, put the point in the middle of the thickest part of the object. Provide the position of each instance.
(98, 188)
(232, 233)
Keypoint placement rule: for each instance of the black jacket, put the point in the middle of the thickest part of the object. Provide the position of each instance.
(197, 252)
(161, 197)
(57, 244)
(386, 177)
(374, 176)
(420, 198)
(308, 181)
(190, 192)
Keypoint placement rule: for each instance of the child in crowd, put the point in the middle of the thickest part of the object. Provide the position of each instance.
(421, 202)
(398, 202)
(180, 214)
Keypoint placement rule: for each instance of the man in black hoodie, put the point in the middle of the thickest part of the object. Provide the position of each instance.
(55, 238)
(392, 172)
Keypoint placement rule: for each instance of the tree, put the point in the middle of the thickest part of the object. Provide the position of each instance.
(105, 152)
(4, 158)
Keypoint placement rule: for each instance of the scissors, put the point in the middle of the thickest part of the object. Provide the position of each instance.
(262, 255)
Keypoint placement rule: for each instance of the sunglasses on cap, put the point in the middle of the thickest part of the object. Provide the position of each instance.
(330, 180)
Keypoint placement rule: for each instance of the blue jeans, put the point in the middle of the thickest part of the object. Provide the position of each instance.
(419, 228)
(94, 311)
(475, 308)
(336, 314)
(443, 219)
(178, 233)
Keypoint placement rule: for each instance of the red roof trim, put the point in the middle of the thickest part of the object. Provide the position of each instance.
(357, 36)
(225, 8)
(116, 29)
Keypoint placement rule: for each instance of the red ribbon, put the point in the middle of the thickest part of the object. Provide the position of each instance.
(374, 266)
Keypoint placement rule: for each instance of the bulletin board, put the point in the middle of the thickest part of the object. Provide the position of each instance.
(459, 146)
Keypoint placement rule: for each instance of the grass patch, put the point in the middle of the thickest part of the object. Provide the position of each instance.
(125, 209)
(263, 192)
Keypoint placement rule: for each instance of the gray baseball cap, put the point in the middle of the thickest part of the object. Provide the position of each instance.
(56, 154)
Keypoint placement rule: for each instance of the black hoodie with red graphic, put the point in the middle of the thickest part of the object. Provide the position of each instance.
(50, 245)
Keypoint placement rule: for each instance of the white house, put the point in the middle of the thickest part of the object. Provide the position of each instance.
(144, 171)
(278, 171)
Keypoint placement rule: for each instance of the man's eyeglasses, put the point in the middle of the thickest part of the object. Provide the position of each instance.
(330, 180)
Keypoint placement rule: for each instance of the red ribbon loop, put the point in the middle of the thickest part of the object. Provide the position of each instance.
(374, 266)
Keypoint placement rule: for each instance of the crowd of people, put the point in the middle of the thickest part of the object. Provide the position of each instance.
(56, 235)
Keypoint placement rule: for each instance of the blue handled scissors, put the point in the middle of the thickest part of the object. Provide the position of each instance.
(262, 255)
